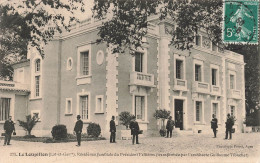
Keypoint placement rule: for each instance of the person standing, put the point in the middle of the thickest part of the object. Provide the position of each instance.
(214, 125)
(169, 126)
(134, 130)
(229, 125)
(9, 129)
(78, 129)
(112, 130)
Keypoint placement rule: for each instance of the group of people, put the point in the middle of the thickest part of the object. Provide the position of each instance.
(229, 126)
(134, 126)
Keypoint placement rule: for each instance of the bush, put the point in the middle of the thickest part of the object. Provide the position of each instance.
(29, 123)
(59, 132)
(29, 136)
(93, 130)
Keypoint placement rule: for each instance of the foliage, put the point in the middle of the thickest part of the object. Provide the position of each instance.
(29, 123)
(93, 130)
(162, 114)
(251, 121)
(32, 23)
(127, 22)
(59, 132)
(125, 118)
(233, 118)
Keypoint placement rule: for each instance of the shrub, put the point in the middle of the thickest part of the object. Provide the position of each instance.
(162, 132)
(59, 132)
(29, 123)
(162, 114)
(125, 118)
(93, 130)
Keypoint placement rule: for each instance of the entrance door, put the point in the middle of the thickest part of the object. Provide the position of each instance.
(178, 113)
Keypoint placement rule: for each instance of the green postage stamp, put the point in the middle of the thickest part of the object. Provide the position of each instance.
(240, 21)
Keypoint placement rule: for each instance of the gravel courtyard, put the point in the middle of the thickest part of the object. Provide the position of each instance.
(244, 147)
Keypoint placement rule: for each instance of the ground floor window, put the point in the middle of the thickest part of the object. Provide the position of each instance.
(140, 107)
(198, 111)
(4, 108)
(232, 110)
(215, 109)
(84, 110)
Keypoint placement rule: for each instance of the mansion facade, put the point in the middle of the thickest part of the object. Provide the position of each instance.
(78, 76)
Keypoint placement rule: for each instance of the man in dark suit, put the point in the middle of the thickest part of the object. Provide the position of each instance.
(214, 125)
(112, 130)
(169, 126)
(9, 129)
(78, 129)
(229, 125)
(134, 130)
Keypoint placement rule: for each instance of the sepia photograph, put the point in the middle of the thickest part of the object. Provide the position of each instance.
(129, 81)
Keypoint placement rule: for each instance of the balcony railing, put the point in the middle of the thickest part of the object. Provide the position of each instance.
(142, 79)
(14, 86)
(215, 90)
(200, 87)
(180, 84)
(232, 93)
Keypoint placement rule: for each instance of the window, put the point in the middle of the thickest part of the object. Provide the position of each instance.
(37, 65)
(198, 40)
(37, 86)
(99, 104)
(198, 111)
(232, 110)
(198, 73)
(4, 108)
(232, 81)
(69, 64)
(140, 108)
(214, 46)
(179, 69)
(214, 76)
(84, 110)
(138, 62)
(68, 106)
(84, 63)
(215, 109)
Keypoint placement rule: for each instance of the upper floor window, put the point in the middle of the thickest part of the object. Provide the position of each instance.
(179, 69)
(37, 86)
(198, 73)
(138, 62)
(4, 108)
(214, 76)
(84, 57)
(232, 81)
(37, 65)
(140, 107)
(198, 40)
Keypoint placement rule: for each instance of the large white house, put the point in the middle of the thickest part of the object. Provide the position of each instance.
(78, 76)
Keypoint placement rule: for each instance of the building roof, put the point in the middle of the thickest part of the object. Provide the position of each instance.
(13, 86)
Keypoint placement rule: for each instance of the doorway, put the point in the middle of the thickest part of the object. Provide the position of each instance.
(178, 113)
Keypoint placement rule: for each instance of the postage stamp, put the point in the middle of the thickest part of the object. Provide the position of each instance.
(240, 21)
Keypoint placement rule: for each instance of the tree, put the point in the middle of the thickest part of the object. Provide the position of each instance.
(127, 24)
(163, 115)
(32, 23)
(29, 123)
(125, 118)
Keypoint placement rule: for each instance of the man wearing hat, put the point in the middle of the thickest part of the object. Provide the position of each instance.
(229, 125)
(78, 129)
(112, 130)
(134, 130)
(169, 126)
